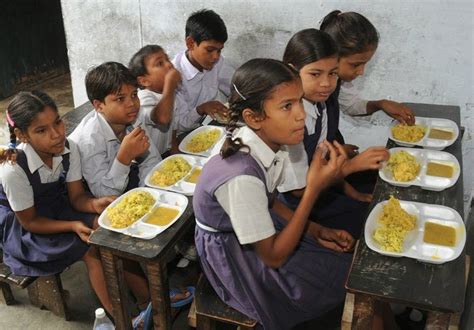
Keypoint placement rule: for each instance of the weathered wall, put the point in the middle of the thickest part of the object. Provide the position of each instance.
(425, 53)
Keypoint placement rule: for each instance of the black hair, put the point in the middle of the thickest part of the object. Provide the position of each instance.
(205, 25)
(20, 113)
(137, 63)
(107, 79)
(308, 46)
(352, 32)
(251, 85)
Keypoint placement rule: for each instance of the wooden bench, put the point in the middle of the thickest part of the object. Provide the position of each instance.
(210, 309)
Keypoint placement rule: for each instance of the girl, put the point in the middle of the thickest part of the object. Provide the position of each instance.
(358, 39)
(315, 55)
(273, 267)
(46, 217)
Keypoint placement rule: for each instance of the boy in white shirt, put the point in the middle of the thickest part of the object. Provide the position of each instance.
(116, 153)
(158, 81)
(202, 67)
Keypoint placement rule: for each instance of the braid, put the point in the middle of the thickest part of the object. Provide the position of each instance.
(9, 154)
(231, 145)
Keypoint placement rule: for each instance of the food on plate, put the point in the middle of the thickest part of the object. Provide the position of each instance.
(440, 134)
(439, 234)
(395, 223)
(203, 140)
(194, 176)
(438, 169)
(171, 171)
(162, 216)
(408, 133)
(403, 165)
(131, 208)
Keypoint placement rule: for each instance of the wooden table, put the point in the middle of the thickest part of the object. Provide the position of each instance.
(151, 253)
(403, 280)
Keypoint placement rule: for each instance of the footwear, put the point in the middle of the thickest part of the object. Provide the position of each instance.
(144, 317)
(182, 302)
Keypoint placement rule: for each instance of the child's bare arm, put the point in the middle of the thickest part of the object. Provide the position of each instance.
(370, 159)
(84, 202)
(162, 113)
(399, 111)
(212, 108)
(350, 191)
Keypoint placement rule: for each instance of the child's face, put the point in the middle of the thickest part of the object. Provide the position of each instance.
(205, 55)
(157, 66)
(121, 108)
(352, 66)
(46, 134)
(283, 122)
(319, 79)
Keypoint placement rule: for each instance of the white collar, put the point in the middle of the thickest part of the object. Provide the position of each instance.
(35, 162)
(189, 70)
(106, 128)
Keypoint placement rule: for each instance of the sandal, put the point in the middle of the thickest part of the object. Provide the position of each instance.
(182, 302)
(143, 318)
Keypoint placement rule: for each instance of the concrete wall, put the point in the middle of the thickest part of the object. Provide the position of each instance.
(425, 52)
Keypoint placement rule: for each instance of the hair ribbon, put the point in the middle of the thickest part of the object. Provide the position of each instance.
(9, 120)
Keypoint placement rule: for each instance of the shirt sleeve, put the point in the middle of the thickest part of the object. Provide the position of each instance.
(294, 169)
(17, 187)
(225, 77)
(185, 117)
(349, 101)
(237, 197)
(75, 170)
(148, 102)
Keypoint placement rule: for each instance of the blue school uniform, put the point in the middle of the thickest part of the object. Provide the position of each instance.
(33, 254)
(310, 283)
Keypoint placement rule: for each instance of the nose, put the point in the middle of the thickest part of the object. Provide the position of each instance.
(325, 81)
(300, 114)
(215, 55)
(361, 70)
(55, 133)
(169, 65)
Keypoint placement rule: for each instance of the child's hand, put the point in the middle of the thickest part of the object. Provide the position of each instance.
(334, 239)
(133, 145)
(322, 173)
(351, 150)
(99, 204)
(350, 191)
(369, 159)
(82, 230)
(212, 108)
(400, 112)
(172, 79)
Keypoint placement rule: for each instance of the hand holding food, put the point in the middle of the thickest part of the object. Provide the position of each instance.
(133, 145)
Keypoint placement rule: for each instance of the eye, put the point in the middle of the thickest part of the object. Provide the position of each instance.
(315, 74)
(41, 131)
(59, 121)
(334, 74)
(120, 99)
(134, 95)
(287, 106)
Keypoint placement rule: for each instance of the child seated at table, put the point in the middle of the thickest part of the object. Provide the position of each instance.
(115, 149)
(46, 217)
(269, 263)
(158, 81)
(203, 69)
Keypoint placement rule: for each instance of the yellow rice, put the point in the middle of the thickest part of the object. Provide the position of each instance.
(203, 140)
(131, 208)
(403, 166)
(171, 171)
(408, 133)
(395, 223)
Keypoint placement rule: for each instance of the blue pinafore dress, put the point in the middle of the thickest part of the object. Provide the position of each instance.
(33, 254)
(310, 283)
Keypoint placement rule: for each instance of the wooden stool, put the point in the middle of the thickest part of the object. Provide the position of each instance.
(210, 309)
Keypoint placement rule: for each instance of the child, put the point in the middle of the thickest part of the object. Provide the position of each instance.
(202, 67)
(268, 263)
(116, 157)
(357, 40)
(46, 217)
(158, 80)
(315, 55)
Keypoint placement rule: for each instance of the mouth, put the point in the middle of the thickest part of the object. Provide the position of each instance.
(59, 145)
(133, 114)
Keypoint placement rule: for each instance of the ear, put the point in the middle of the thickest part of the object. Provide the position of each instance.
(252, 119)
(98, 105)
(20, 135)
(143, 81)
(190, 43)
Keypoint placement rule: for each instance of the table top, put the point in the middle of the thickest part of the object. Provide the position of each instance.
(140, 249)
(405, 280)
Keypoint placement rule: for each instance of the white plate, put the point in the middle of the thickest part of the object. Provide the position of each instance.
(181, 186)
(427, 142)
(428, 182)
(208, 152)
(139, 228)
(413, 246)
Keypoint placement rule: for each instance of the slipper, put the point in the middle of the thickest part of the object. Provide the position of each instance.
(144, 316)
(185, 301)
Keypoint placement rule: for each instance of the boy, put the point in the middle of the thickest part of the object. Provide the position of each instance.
(202, 67)
(115, 156)
(158, 80)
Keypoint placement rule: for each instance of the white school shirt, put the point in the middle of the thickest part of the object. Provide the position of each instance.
(15, 182)
(98, 146)
(349, 101)
(159, 134)
(199, 87)
(244, 197)
(312, 114)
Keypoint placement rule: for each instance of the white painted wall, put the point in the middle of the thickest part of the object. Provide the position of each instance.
(425, 53)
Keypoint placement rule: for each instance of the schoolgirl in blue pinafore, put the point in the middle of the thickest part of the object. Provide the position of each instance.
(32, 254)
